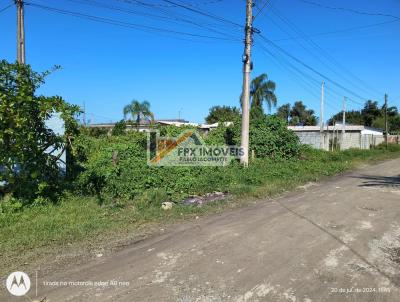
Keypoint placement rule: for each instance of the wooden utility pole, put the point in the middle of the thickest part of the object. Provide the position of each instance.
(20, 32)
(321, 117)
(244, 159)
(386, 121)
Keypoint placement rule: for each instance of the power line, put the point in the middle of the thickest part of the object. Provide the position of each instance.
(307, 81)
(169, 12)
(350, 10)
(203, 13)
(310, 68)
(344, 30)
(301, 79)
(261, 9)
(125, 24)
(6, 7)
(326, 55)
(150, 15)
(188, 4)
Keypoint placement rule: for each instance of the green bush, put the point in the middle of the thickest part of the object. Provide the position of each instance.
(28, 161)
(119, 128)
(115, 167)
(269, 137)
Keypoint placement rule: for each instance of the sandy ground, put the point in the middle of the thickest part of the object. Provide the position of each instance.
(334, 241)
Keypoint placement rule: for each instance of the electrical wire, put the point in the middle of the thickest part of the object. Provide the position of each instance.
(344, 30)
(218, 18)
(6, 7)
(169, 12)
(350, 77)
(308, 82)
(188, 4)
(320, 51)
(175, 20)
(261, 9)
(350, 10)
(124, 24)
(283, 51)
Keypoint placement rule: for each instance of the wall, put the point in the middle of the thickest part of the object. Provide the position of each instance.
(335, 140)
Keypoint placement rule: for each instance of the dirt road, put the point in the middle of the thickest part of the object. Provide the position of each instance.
(334, 241)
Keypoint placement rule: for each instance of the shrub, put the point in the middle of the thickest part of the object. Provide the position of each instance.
(119, 128)
(115, 167)
(269, 137)
(94, 132)
(28, 163)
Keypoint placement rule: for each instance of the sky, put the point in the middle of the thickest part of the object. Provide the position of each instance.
(105, 66)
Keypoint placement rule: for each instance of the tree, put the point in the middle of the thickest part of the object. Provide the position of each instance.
(28, 148)
(370, 112)
(353, 117)
(119, 128)
(222, 114)
(283, 112)
(300, 115)
(394, 124)
(139, 112)
(371, 116)
(262, 90)
(393, 120)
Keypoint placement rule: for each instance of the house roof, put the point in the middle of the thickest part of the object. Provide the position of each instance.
(333, 128)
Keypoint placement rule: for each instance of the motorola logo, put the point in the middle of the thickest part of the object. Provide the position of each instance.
(18, 283)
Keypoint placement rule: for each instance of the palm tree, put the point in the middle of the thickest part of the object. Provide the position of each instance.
(139, 111)
(262, 89)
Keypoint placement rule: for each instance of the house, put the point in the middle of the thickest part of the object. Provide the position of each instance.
(355, 136)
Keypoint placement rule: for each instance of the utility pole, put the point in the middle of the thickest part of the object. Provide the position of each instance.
(179, 113)
(386, 121)
(344, 116)
(20, 32)
(84, 114)
(244, 159)
(321, 117)
(343, 123)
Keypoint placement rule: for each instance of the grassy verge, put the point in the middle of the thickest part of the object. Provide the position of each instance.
(80, 221)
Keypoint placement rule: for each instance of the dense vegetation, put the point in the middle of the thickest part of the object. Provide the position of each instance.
(222, 114)
(114, 168)
(79, 221)
(372, 115)
(297, 115)
(109, 187)
(29, 150)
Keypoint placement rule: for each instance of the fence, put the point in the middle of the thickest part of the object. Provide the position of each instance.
(338, 141)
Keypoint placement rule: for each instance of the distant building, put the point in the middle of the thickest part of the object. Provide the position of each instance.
(356, 136)
(145, 126)
(363, 130)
